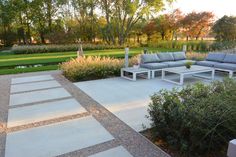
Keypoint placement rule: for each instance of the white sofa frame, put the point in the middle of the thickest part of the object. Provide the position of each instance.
(231, 72)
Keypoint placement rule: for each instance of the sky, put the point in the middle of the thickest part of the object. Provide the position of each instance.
(218, 7)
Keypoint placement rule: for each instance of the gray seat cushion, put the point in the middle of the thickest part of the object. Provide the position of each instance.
(154, 65)
(149, 58)
(166, 56)
(230, 58)
(207, 63)
(179, 56)
(216, 57)
(178, 63)
(227, 66)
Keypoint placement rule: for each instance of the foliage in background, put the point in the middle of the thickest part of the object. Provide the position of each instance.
(27, 22)
(197, 119)
(191, 45)
(93, 67)
(225, 28)
(59, 48)
(195, 45)
(223, 45)
(203, 46)
(196, 56)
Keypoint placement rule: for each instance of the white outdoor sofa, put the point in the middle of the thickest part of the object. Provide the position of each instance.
(221, 61)
(157, 61)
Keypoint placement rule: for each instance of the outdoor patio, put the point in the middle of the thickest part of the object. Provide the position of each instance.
(44, 111)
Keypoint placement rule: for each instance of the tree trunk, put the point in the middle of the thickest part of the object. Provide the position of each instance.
(163, 36)
(42, 38)
(138, 39)
(148, 37)
(29, 33)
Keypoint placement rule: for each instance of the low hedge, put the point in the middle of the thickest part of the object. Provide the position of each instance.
(93, 67)
(198, 119)
(191, 45)
(30, 49)
(195, 45)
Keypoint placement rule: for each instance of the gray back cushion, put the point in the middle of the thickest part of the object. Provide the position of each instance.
(179, 56)
(166, 56)
(217, 57)
(230, 58)
(149, 58)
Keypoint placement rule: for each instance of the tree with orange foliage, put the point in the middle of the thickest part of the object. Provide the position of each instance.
(197, 25)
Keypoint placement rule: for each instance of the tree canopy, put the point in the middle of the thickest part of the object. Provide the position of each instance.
(108, 21)
(225, 28)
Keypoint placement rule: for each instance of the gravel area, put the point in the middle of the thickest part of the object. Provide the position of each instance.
(46, 122)
(4, 101)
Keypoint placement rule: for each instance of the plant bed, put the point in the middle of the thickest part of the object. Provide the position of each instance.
(196, 121)
(93, 67)
(172, 151)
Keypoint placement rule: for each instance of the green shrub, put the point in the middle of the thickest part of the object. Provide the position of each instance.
(224, 45)
(29, 49)
(191, 45)
(92, 67)
(197, 119)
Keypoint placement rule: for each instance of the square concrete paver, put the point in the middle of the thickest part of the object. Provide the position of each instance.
(34, 86)
(31, 79)
(56, 139)
(119, 151)
(45, 111)
(37, 96)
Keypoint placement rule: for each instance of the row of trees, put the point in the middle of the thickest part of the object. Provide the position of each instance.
(174, 25)
(110, 21)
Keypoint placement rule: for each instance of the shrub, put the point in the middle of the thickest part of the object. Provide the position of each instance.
(224, 45)
(197, 119)
(196, 56)
(93, 67)
(191, 45)
(29, 49)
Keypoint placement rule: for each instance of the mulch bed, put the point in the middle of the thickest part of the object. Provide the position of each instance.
(176, 153)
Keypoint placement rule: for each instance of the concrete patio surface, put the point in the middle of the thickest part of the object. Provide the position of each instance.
(129, 100)
(43, 111)
(37, 96)
(34, 86)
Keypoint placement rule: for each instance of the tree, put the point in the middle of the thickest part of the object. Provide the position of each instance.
(163, 26)
(149, 29)
(197, 25)
(225, 28)
(7, 17)
(122, 15)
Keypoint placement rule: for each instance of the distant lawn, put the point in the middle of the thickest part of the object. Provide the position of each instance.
(7, 60)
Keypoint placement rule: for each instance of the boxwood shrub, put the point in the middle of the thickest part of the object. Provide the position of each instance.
(196, 120)
(93, 67)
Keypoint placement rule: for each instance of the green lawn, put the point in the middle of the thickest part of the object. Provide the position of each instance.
(7, 60)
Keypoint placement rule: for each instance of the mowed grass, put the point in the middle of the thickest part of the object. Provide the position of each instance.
(7, 60)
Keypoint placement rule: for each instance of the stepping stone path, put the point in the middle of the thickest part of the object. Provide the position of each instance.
(49, 116)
